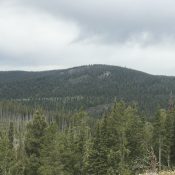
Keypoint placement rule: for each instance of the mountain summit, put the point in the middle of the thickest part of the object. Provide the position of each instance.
(97, 84)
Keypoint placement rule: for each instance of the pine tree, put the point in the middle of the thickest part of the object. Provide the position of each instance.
(36, 130)
(120, 121)
(6, 155)
(98, 158)
(49, 155)
(172, 148)
(160, 135)
(169, 127)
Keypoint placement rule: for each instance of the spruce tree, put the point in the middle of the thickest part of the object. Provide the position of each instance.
(36, 130)
(160, 135)
(98, 158)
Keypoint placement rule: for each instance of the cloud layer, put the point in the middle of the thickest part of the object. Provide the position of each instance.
(47, 34)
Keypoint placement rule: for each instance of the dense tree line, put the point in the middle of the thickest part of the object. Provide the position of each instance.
(120, 143)
(87, 86)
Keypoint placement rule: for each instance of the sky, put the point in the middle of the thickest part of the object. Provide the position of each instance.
(57, 34)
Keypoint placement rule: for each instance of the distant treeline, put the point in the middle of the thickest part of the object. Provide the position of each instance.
(87, 86)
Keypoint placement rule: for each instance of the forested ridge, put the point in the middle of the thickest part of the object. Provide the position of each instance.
(88, 87)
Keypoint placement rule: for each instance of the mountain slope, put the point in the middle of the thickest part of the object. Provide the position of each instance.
(89, 86)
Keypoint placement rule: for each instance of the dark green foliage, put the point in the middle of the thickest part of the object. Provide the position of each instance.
(171, 137)
(36, 131)
(18, 168)
(7, 156)
(32, 165)
(72, 144)
(50, 163)
(120, 143)
(88, 86)
(35, 138)
(117, 142)
(98, 158)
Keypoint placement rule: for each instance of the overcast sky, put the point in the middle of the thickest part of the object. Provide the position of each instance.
(54, 34)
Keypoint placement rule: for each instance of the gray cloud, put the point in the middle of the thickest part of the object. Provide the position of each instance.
(48, 34)
(115, 20)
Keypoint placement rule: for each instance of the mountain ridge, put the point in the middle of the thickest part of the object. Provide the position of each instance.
(96, 84)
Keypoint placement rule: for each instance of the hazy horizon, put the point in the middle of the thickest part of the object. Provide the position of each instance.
(54, 69)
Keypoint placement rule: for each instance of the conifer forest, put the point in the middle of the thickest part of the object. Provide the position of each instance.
(87, 132)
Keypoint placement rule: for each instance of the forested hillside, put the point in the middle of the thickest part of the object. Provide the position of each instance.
(89, 120)
(88, 87)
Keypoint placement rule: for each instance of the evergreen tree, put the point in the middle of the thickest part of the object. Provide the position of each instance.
(169, 128)
(172, 138)
(160, 135)
(120, 121)
(49, 155)
(98, 158)
(6, 155)
(36, 130)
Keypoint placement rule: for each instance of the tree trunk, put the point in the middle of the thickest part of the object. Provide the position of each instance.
(168, 161)
(160, 153)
